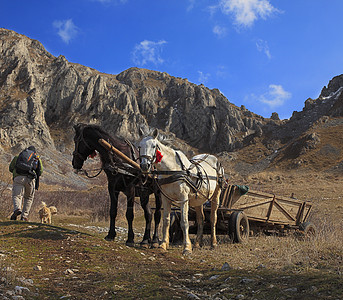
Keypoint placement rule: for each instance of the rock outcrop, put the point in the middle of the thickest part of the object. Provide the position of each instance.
(42, 96)
(40, 91)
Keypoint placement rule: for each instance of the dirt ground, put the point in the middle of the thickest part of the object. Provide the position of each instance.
(70, 259)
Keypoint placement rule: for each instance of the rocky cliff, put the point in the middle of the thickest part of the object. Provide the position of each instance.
(40, 91)
(42, 96)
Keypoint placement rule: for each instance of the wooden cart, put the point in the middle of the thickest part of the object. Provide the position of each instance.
(240, 215)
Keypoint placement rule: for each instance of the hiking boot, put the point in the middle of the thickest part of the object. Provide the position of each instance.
(16, 213)
(24, 219)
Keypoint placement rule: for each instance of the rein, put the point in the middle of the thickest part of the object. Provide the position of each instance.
(123, 168)
(85, 172)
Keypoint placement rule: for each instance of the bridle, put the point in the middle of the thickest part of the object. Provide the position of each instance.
(76, 153)
(149, 158)
(77, 142)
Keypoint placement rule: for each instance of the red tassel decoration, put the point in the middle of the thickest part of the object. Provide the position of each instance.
(158, 156)
(92, 155)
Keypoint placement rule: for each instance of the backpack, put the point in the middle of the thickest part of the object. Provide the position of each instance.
(27, 162)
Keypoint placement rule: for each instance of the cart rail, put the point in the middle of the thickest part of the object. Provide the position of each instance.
(264, 207)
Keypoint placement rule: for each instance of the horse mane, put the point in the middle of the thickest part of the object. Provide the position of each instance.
(163, 139)
(115, 141)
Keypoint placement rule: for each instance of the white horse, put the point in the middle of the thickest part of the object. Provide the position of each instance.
(183, 183)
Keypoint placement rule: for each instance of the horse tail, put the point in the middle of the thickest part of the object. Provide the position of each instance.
(220, 174)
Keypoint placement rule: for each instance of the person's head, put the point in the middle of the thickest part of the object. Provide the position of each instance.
(32, 148)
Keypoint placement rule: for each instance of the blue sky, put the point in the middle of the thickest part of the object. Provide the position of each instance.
(267, 55)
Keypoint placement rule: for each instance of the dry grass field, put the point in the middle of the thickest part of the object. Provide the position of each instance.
(70, 259)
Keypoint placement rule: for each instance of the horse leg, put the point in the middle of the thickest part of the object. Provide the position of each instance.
(166, 223)
(148, 218)
(157, 220)
(200, 222)
(185, 227)
(214, 209)
(130, 196)
(113, 212)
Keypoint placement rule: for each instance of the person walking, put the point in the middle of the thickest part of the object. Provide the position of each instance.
(26, 167)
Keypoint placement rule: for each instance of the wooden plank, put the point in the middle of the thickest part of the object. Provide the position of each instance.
(229, 198)
(300, 213)
(270, 222)
(225, 196)
(109, 147)
(254, 204)
(270, 208)
(284, 211)
(307, 213)
(265, 207)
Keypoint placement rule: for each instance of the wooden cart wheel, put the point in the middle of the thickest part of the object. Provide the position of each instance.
(238, 227)
(307, 228)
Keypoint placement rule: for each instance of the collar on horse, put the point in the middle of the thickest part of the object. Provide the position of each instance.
(193, 180)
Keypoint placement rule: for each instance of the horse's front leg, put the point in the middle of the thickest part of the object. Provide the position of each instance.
(200, 222)
(214, 210)
(148, 218)
(130, 195)
(166, 223)
(157, 219)
(187, 245)
(113, 212)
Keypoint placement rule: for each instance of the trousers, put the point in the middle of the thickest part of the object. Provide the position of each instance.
(23, 189)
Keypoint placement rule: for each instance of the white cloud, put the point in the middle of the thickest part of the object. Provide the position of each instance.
(222, 72)
(262, 46)
(190, 5)
(203, 78)
(276, 96)
(246, 12)
(66, 29)
(219, 31)
(148, 51)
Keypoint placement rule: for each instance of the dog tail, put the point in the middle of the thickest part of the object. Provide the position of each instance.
(44, 204)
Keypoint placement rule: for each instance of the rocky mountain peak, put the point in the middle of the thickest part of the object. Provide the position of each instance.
(42, 96)
(333, 88)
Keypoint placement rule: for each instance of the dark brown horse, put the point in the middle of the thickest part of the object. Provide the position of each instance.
(121, 178)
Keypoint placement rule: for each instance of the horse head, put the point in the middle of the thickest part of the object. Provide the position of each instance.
(83, 148)
(148, 150)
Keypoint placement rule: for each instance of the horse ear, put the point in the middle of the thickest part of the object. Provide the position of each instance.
(155, 133)
(76, 127)
(141, 132)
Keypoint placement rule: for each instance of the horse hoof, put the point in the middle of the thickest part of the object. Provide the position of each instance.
(214, 246)
(196, 246)
(187, 252)
(163, 246)
(109, 238)
(144, 245)
(130, 244)
(155, 245)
